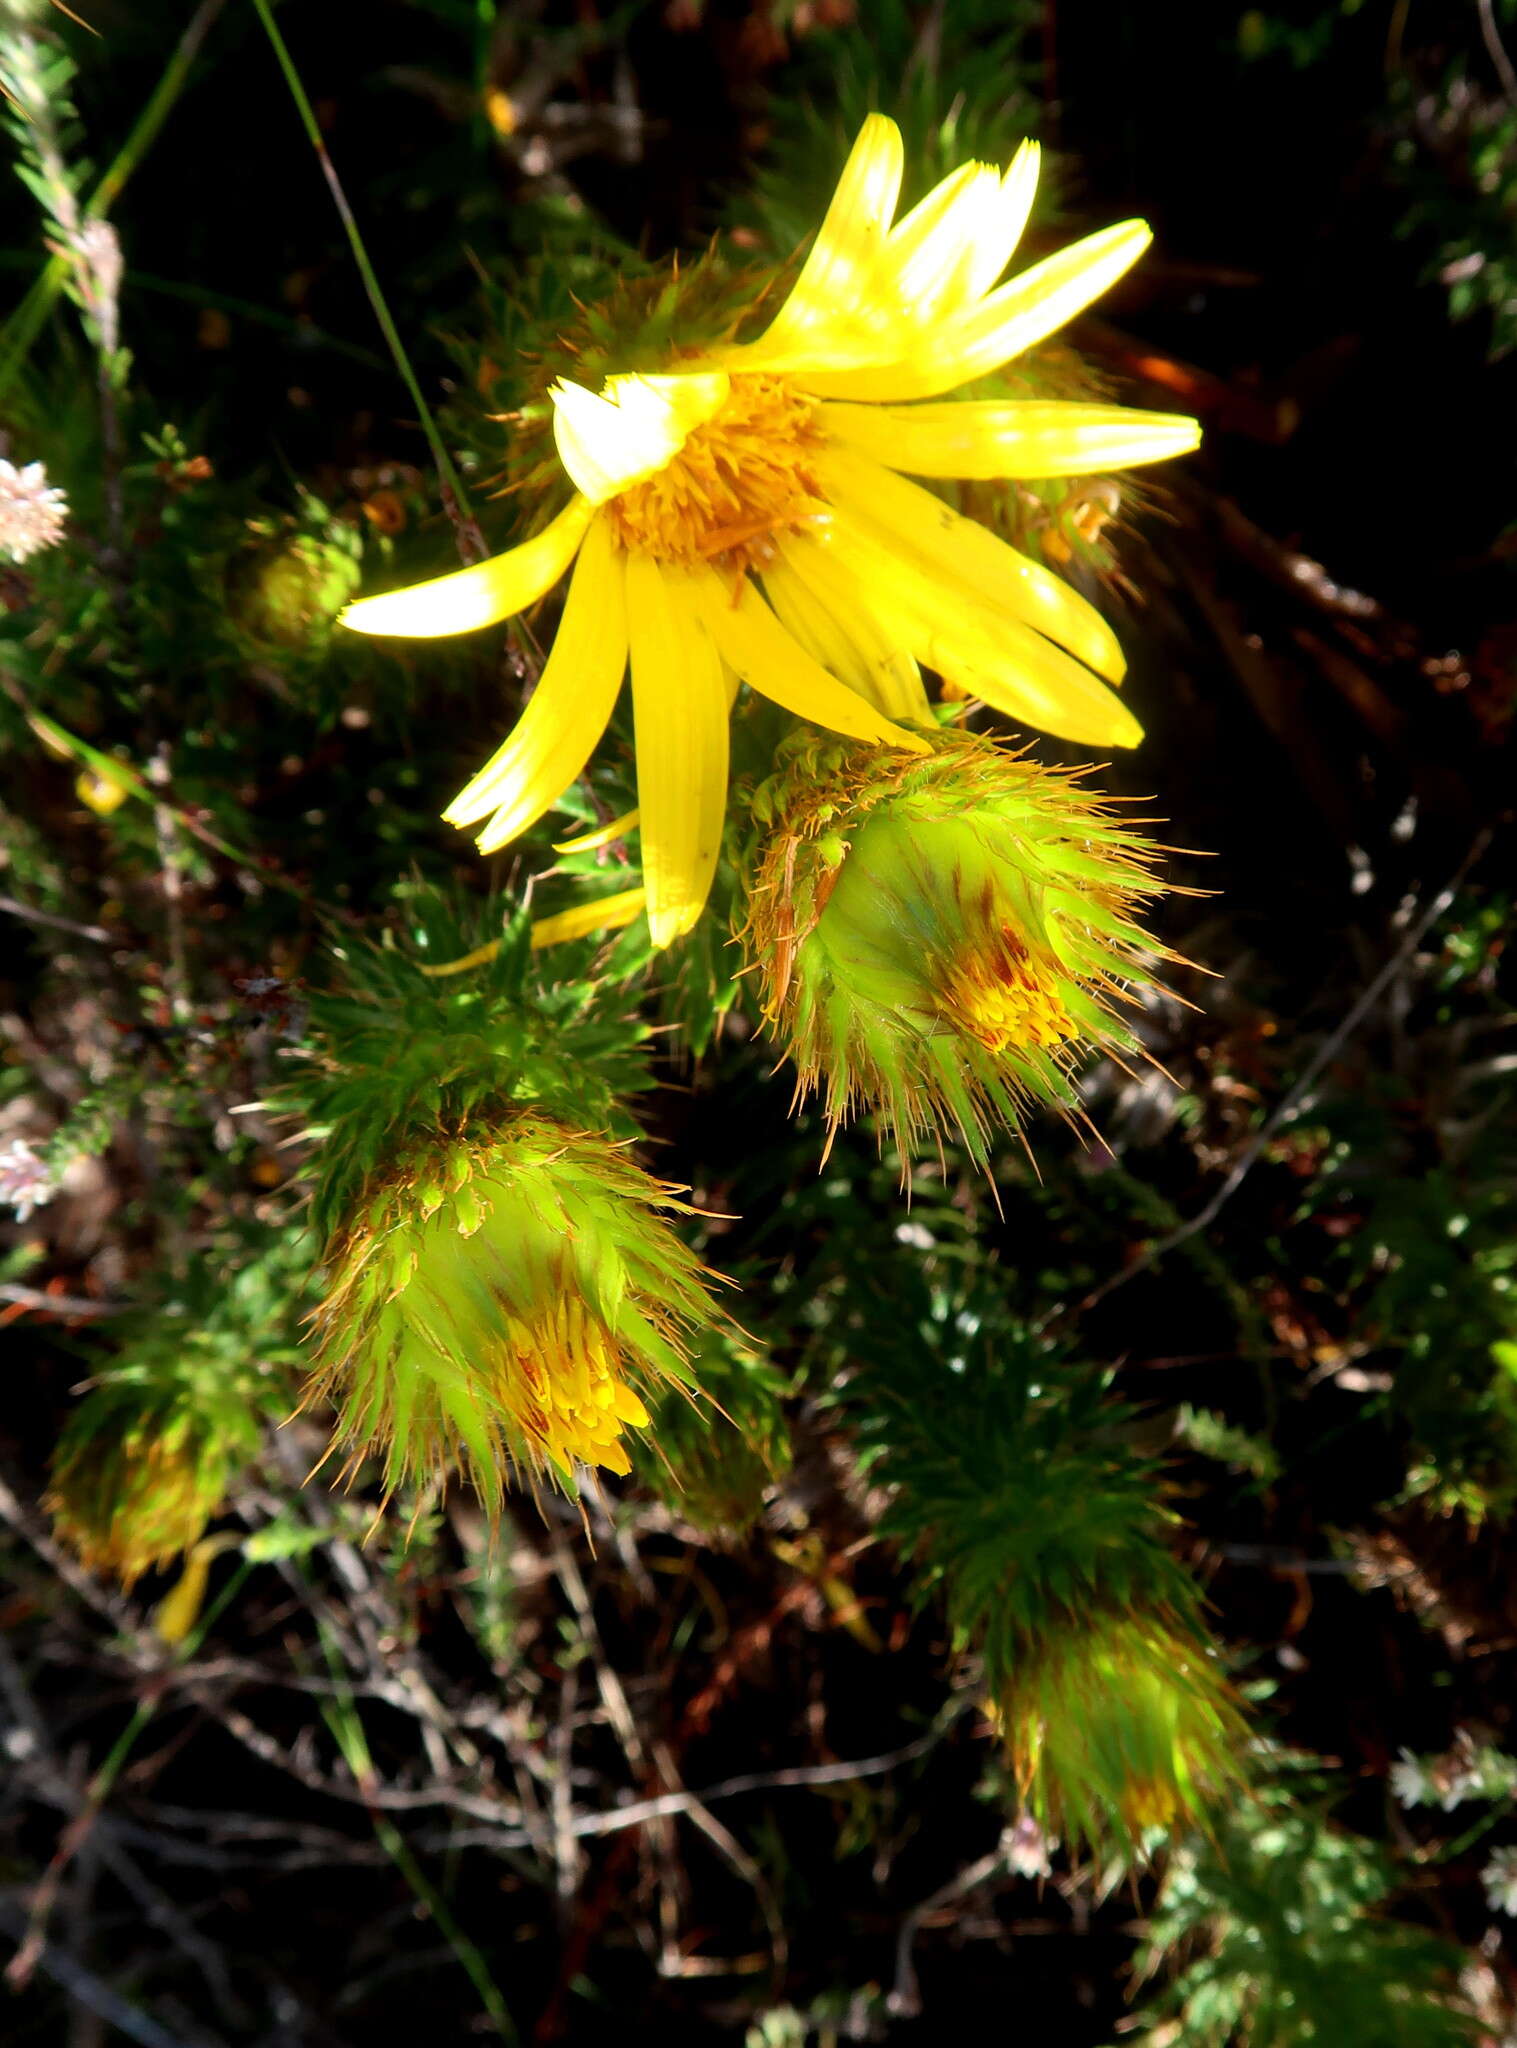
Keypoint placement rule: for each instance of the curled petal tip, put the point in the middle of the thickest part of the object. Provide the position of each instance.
(1125, 729)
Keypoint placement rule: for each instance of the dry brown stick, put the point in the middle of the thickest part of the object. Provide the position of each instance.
(91, 1837)
(794, 1778)
(63, 1305)
(650, 1770)
(566, 1856)
(390, 1798)
(30, 914)
(394, 1677)
(171, 878)
(905, 1998)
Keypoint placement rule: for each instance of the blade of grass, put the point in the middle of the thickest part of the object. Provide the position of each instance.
(471, 543)
(342, 1718)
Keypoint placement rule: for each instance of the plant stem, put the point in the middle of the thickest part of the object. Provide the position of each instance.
(342, 1718)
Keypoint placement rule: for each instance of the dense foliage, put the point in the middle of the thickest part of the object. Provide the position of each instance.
(1062, 1584)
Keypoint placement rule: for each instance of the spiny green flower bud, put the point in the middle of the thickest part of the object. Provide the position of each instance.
(290, 596)
(1021, 1495)
(938, 939)
(1116, 1723)
(148, 1456)
(499, 1302)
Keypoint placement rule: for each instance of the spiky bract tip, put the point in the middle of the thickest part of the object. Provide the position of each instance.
(481, 1034)
(288, 596)
(715, 1471)
(497, 1304)
(939, 938)
(1117, 1724)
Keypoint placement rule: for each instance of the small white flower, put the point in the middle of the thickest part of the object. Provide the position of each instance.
(1026, 1847)
(1461, 1783)
(32, 515)
(25, 1183)
(1410, 1784)
(1500, 1880)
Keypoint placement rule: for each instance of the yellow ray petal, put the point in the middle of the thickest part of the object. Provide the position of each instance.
(999, 237)
(588, 842)
(632, 429)
(1032, 682)
(819, 607)
(933, 267)
(176, 1614)
(679, 709)
(833, 287)
(916, 229)
(928, 257)
(600, 914)
(978, 649)
(481, 956)
(754, 642)
(966, 555)
(948, 251)
(479, 596)
(554, 737)
(1013, 318)
(974, 438)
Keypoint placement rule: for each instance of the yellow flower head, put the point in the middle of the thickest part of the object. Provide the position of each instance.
(150, 1453)
(133, 1505)
(942, 939)
(747, 516)
(498, 1304)
(1118, 1723)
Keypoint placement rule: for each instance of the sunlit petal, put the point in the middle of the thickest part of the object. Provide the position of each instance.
(600, 914)
(1002, 231)
(757, 646)
(469, 598)
(988, 438)
(821, 608)
(602, 835)
(1020, 313)
(967, 557)
(928, 257)
(979, 649)
(834, 281)
(632, 429)
(680, 714)
(554, 737)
